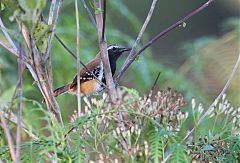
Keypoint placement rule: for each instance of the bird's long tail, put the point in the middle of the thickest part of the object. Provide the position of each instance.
(61, 90)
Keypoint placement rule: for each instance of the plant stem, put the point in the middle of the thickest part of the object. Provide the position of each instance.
(8, 136)
(133, 50)
(78, 58)
(104, 54)
(20, 94)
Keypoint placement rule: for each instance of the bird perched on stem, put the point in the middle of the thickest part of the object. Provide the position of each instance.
(88, 83)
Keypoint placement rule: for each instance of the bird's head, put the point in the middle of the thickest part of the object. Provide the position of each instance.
(115, 51)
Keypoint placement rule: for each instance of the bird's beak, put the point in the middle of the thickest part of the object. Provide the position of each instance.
(125, 49)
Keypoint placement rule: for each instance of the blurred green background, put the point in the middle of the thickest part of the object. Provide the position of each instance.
(195, 60)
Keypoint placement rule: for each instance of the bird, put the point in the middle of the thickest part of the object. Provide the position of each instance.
(89, 85)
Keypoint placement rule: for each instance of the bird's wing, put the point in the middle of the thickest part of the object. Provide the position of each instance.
(85, 75)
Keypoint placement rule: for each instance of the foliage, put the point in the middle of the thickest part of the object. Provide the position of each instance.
(155, 125)
(151, 131)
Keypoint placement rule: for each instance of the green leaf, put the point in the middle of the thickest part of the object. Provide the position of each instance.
(40, 35)
(157, 144)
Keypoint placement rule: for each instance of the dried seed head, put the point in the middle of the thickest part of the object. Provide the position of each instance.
(132, 129)
(118, 130)
(193, 103)
(139, 132)
(200, 108)
(230, 110)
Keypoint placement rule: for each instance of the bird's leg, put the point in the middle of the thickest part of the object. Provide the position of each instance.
(85, 99)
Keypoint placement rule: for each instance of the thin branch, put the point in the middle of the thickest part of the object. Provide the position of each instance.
(25, 34)
(20, 94)
(90, 15)
(53, 29)
(148, 18)
(8, 48)
(104, 55)
(160, 35)
(51, 12)
(153, 87)
(7, 35)
(49, 60)
(104, 18)
(8, 136)
(78, 58)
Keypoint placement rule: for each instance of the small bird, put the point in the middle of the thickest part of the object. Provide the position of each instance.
(88, 84)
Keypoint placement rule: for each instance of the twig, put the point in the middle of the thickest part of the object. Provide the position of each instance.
(20, 94)
(211, 107)
(78, 58)
(90, 15)
(53, 29)
(7, 35)
(104, 54)
(166, 158)
(8, 136)
(153, 87)
(8, 48)
(48, 57)
(51, 12)
(25, 34)
(160, 35)
(49, 60)
(104, 18)
(12, 49)
(133, 50)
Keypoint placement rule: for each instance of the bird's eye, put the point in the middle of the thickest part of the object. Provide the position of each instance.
(114, 48)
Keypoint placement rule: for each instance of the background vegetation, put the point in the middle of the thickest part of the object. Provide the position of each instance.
(196, 61)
